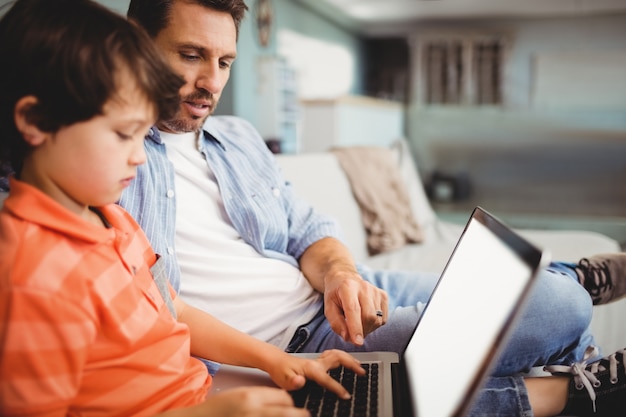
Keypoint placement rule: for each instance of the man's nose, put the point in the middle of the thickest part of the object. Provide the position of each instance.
(211, 78)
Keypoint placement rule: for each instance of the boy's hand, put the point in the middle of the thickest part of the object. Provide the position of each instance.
(291, 372)
(248, 402)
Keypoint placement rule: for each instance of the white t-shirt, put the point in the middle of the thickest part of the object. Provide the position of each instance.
(220, 273)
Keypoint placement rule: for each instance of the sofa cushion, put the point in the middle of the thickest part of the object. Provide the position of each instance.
(318, 178)
(571, 245)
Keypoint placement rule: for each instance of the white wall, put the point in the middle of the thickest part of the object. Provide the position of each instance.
(532, 110)
(558, 144)
(349, 121)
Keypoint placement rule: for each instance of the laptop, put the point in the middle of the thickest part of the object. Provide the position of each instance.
(462, 329)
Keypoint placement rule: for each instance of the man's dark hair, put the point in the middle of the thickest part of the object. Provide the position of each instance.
(68, 54)
(153, 14)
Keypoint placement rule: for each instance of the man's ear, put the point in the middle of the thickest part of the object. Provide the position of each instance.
(24, 121)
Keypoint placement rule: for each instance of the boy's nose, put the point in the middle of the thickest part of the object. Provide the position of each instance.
(138, 157)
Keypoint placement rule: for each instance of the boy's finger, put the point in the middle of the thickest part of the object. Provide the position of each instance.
(328, 382)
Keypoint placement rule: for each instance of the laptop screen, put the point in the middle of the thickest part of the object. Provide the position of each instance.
(468, 313)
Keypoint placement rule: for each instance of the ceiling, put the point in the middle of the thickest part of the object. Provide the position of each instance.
(371, 15)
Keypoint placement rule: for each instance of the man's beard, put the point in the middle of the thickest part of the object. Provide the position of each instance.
(179, 124)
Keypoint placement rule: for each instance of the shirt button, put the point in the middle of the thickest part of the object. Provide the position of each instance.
(276, 192)
(170, 193)
(170, 250)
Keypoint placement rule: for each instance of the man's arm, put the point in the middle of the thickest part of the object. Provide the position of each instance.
(350, 302)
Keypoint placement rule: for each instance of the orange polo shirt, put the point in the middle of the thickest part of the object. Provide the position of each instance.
(83, 327)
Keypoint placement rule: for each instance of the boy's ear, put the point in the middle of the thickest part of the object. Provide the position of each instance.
(23, 121)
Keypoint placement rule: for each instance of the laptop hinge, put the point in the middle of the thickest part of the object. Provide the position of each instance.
(400, 388)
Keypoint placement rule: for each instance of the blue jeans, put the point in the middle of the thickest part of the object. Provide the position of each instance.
(538, 339)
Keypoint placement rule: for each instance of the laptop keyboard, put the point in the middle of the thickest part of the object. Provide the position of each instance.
(323, 403)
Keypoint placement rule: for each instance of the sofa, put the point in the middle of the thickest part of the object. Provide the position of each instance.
(319, 178)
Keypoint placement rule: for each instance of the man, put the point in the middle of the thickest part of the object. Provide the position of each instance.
(212, 200)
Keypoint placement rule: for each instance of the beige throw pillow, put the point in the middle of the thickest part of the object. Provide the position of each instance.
(382, 197)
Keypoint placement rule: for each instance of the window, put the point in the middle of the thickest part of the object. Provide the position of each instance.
(443, 63)
(460, 70)
(487, 63)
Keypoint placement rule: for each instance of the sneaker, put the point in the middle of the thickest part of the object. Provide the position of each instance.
(604, 276)
(597, 388)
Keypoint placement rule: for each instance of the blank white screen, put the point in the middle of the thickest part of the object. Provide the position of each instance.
(481, 285)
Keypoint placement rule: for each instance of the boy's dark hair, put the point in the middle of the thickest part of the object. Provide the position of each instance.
(153, 14)
(68, 54)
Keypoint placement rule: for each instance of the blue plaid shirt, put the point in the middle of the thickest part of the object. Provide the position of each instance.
(259, 202)
(5, 171)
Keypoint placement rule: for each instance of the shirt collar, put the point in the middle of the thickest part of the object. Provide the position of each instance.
(209, 133)
(29, 203)
(154, 135)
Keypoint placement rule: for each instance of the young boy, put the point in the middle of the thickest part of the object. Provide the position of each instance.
(84, 327)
